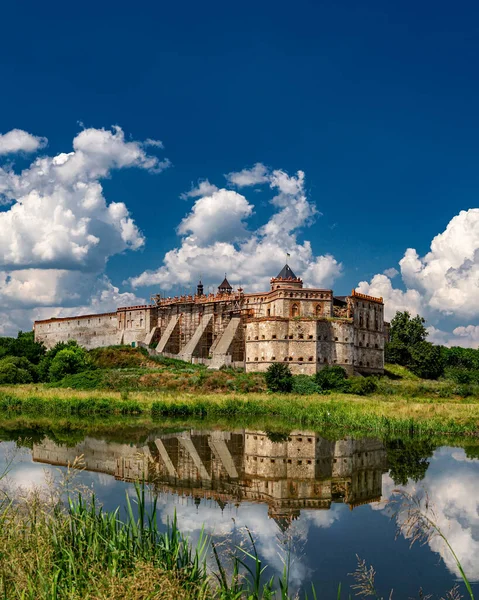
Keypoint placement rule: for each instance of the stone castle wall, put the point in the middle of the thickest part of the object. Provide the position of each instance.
(307, 328)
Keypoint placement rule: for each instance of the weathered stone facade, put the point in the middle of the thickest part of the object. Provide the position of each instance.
(307, 328)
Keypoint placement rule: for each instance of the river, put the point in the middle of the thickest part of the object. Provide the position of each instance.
(318, 502)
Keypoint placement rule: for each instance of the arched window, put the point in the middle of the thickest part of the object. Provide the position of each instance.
(319, 310)
(295, 310)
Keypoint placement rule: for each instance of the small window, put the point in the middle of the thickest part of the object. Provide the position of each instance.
(255, 337)
(262, 337)
(290, 358)
(290, 337)
(300, 359)
(274, 336)
(310, 337)
(285, 358)
(300, 462)
(335, 339)
(346, 360)
(310, 359)
(376, 346)
(360, 343)
(273, 358)
(256, 358)
(301, 336)
(248, 337)
(269, 312)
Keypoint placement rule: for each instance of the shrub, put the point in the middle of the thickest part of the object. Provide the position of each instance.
(427, 360)
(16, 369)
(279, 378)
(68, 362)
(332, 378)
(304, 384)
(362, 386)
(86, 380)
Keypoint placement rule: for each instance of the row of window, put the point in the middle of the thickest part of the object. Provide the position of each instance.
(310, 359)
(289, 461)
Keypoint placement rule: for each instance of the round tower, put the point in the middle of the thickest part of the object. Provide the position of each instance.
(286, 279)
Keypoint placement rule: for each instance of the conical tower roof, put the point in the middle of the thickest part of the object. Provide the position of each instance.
(225, 285)
(286, 273)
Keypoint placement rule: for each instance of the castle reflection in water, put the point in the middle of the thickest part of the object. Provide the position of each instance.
(300, 471)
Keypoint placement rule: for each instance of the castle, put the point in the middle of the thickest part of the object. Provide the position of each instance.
(307, 328)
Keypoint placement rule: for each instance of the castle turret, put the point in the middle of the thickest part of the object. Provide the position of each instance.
(286, 279)
(225, 287)
(200, 289)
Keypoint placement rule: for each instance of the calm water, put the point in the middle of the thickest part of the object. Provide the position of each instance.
(325, 499)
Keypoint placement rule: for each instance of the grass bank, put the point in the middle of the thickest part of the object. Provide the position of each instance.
(377, 414)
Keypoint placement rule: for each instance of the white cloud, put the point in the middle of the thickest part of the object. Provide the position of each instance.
(60, 230)
(204, 188)
(219, 217)
(443, 282)
(391, 273)
(60, 218)
(467, 337)
(254, 176)
(215, 240)
(18, 140)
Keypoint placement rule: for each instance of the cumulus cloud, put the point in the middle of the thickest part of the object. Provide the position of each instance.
(60, 217)
(215, 239)
(467, 337)
(59, 230)
(204, 188)
(18, 140)
(254, 176)
(444, 282)
(219, 217)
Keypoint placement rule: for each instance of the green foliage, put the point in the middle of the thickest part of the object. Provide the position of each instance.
(426, 360)
(85, 380)
(407, 330)
(461, 358)
(16, 369)
(408, 459)
(23, 345)
(332, 378)
(68, 361)
(362, 386)
(408, 347)
(279, 378)
(304, 384)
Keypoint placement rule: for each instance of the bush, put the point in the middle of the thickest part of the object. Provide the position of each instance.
(279, 378)
(332, 378)
(427, 360)
(16, 369)
(362, 386)
(68, 362)
(86, 380)
(304, 384)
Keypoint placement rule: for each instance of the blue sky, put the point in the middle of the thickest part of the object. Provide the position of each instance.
(376, 104)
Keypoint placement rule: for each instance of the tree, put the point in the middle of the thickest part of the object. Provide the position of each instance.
(407, 330)
(23, 345)
(426, 360)
(279, 378)
(408, 459)
(68, 362)
(16, 369)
